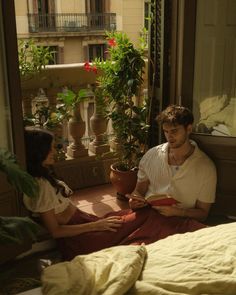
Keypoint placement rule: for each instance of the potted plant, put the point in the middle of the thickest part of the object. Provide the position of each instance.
(32, 58)
(121, 81)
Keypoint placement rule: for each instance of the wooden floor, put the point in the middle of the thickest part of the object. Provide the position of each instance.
(98, 200)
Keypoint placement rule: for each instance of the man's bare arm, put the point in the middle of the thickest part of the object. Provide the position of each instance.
(138, 194)
(200, 212)
(141, 188)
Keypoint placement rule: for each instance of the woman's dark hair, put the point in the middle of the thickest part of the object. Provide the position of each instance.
(38, 144)
(176, 115)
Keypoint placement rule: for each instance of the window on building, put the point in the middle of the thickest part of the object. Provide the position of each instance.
(43, 6)
(46, 18)
(97, 51)
(96, 6)
(146, 14)
(54, 51)
(147, 6)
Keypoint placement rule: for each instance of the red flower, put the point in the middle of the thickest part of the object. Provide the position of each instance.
(94, 69)
(112, 42)
(87, 67)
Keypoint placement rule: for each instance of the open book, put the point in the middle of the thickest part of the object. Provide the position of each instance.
(161, 200)
(156, 200)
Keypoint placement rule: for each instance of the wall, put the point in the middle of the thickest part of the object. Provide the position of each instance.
(130, 17)
(21, 17)
(133, 18)
(72, 6)
(222, 151)
(73, 50)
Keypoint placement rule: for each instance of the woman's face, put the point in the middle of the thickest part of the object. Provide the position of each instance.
(50, 157)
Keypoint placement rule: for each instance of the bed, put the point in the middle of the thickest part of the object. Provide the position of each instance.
(201, 262)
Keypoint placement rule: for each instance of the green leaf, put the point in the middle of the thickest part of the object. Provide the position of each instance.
(17, 229)
(121, 80)
(32, 58)
(16, 176)
(82, 95)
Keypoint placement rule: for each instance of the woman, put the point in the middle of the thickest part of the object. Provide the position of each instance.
(78, 232)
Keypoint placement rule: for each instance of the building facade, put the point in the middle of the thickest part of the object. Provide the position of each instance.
(75, 29)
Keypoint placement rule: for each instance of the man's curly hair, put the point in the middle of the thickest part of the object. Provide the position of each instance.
(176, 115)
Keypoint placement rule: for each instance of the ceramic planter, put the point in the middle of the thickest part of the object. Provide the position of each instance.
(123, 181)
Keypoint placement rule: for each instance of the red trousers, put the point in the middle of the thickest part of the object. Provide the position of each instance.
(145, 225)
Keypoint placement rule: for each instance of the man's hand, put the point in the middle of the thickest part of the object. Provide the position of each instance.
(169, 210)
(136, 201)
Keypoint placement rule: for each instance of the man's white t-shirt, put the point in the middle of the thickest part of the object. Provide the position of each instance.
(194, 180)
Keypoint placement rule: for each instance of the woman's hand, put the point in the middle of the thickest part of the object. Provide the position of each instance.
(110, 223)
(136, 201)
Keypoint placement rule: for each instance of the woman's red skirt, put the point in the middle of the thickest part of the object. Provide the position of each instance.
(145, 225)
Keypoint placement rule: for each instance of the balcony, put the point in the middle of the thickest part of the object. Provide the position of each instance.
(90, 165)
(71, 22)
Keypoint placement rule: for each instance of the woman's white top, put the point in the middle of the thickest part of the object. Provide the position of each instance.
(47, 199)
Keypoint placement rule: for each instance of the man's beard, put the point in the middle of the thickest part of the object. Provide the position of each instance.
(177, 145)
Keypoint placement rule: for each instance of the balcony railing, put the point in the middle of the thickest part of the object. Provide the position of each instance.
(71, 22)
(73, 76)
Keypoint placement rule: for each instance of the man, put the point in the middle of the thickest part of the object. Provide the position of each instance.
(177, 168)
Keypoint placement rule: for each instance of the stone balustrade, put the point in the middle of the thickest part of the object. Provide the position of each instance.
(51, 81)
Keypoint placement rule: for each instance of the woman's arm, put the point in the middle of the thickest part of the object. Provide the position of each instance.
(59, 231)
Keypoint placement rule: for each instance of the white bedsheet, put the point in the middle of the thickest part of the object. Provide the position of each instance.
(202, 262)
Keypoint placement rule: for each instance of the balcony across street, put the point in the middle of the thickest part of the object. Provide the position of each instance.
(71, 22)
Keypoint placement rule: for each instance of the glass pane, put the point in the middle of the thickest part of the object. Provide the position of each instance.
(5, 114)
(214, 99)
(217, 116)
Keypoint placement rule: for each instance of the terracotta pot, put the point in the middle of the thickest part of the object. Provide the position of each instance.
(123, 181)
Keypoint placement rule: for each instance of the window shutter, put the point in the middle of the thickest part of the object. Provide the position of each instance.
(154, 87)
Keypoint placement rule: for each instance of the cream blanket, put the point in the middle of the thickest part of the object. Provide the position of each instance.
(110, 271)
(201, 262)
